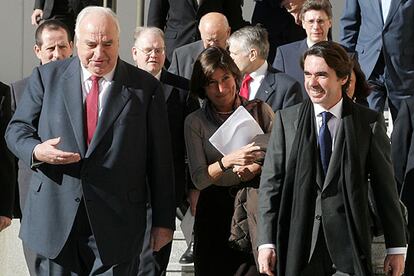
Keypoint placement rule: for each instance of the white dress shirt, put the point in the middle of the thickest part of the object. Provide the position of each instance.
(257, 78)
(104, 84)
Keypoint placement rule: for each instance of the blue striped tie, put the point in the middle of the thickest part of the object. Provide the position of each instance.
(325, 141)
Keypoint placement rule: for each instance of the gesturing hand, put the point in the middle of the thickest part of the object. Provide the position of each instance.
(49, 153)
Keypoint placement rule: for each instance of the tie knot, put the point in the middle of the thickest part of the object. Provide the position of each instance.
(247, 78)
(326, 116)
(95, 78)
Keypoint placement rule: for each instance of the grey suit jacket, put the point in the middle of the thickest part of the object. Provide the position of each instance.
(183, 59)
(130, 148)
(288, 59)
(24, 172)
(373, 150)
(279, 90)
(364, 31)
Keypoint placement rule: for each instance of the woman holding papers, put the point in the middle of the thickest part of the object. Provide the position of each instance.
(216, 79)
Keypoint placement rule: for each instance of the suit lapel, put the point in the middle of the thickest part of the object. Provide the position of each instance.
(194, 4)
(73, 99)
(376, 6)
(303, 46)
(165, 87)
(266, 88)
(345, 125)
(395, 4)
(335, 162)
(118, 96)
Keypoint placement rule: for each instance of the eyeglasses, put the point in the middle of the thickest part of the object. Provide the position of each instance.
(319, 21)
(149, 51)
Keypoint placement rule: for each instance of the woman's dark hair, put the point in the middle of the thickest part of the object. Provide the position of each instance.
(362, 88)
(207, 63)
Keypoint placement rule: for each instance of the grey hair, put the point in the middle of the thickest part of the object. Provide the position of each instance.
(96, 10)
(153, 30)
(252, 37)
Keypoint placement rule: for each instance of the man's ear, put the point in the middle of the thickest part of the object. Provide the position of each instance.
(253, 54)
(344, 80)
(36, 50)
(134, 53)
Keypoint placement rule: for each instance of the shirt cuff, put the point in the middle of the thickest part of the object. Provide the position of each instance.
(267, 246)
(35, 163)
(396, 250)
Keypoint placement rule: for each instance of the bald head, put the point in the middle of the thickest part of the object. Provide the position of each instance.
(214, 30)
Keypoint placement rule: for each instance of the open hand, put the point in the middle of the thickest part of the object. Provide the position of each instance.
(49, 153)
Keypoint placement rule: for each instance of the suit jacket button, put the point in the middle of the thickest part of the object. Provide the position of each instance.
(77, 199)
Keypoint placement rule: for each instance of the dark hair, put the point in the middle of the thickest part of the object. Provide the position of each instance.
(211, 59)
(335, 56)
(362, 88)
(317, 5)
(52, 25)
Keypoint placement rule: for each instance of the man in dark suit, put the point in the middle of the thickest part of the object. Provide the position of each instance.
(179, 19)
(7, 169)
(278, 17)
(381, 33)
(313, 211)
(316, 19)
(249, 48)
(52, 42)
(214, 30)
(402, 147)
(93, 129)
(149, 54)
(63, 10)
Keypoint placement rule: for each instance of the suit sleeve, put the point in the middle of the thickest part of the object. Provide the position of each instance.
(233, 12)
(384, 187)
(271, 181)
(293, 94)
(39, 4)
(157, 13)
(7, 162)
(279, 63)
(401, 142)
(350, 24)
(174, 68)
(160, 174)
(21, 134)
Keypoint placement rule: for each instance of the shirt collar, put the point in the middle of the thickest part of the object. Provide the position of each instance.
(158, 76)
(336, 110)
(261, 71)
(310, 43)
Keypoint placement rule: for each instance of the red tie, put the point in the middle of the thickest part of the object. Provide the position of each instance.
(244, 90)
(91, 109)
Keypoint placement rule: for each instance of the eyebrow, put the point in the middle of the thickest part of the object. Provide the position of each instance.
(319, 73)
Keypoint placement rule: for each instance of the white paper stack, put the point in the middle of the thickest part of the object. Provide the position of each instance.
(237, 131)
